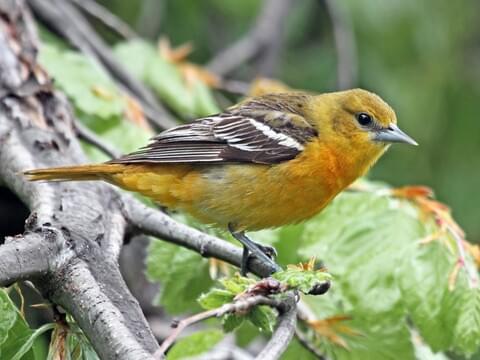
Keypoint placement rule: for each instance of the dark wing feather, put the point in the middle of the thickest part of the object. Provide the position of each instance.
(252, 132)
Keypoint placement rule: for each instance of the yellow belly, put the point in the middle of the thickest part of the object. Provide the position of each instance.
(252, 197)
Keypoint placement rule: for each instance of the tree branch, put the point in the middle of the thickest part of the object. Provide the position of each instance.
(302, 339)
(106, 17)
(69, 23)
(149, 19)
(284, 332)
(241, 305)
(153, 222)
(24, 258)
(344, 44)
(118, 334)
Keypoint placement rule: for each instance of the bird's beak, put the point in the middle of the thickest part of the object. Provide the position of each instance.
(393, 134)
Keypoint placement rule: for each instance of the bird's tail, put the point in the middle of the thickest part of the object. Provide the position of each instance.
(74, 173)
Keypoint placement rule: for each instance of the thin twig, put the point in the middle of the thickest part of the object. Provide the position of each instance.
(302, 339)
(284, 332)
(347, 64)
(106, 17)
(148, 22)
(305, 314)
(234, 86)
(91, 138)
(160, 353)
(471, 272)
(268, 25)
(241, 305)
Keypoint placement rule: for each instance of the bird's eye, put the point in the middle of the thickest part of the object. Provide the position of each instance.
(364, 119)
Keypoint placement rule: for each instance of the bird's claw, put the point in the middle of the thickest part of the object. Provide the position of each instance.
(265, 254)
(270, 251)
(248, 253)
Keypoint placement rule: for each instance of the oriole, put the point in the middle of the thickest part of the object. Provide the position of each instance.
(268, 161)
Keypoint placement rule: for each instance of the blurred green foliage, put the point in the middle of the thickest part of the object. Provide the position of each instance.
(14, 331)
(195, 344)
(422, 56)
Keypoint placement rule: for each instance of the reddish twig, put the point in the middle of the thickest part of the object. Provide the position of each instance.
(242, 305)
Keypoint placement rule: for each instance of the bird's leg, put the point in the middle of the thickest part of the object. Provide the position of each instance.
(251, 248)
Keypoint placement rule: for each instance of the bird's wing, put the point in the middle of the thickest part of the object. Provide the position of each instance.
(248, 133)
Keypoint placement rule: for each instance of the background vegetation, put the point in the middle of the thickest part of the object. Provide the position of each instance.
(422, 56)
(392, 298)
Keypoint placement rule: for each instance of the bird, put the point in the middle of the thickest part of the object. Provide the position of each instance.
(269, 161)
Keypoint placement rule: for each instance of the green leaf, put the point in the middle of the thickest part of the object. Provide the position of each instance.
(237, 283)
(246, 333)
(215, 298)
(98, 102)
(204, 103)
(380, 339)
(467, 330)
(28, 344)
(14, 331)
(165, 79)
(195, 344)
(365, 237)
(90, 89)
(135, 55)
(303, 280)
(8, 315)
(362, 239)
(126, 136)
(263, 317)
(424, 290)
(232, 321)
(144, 62)
(182, 273)
(423, 352)
(370, 244)
(432, 306)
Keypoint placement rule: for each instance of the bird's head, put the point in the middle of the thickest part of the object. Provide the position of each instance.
(361, 120)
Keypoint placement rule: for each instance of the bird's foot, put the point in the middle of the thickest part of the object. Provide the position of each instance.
(266, 254)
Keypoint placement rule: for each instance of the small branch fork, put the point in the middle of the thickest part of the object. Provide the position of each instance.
(280, 339)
